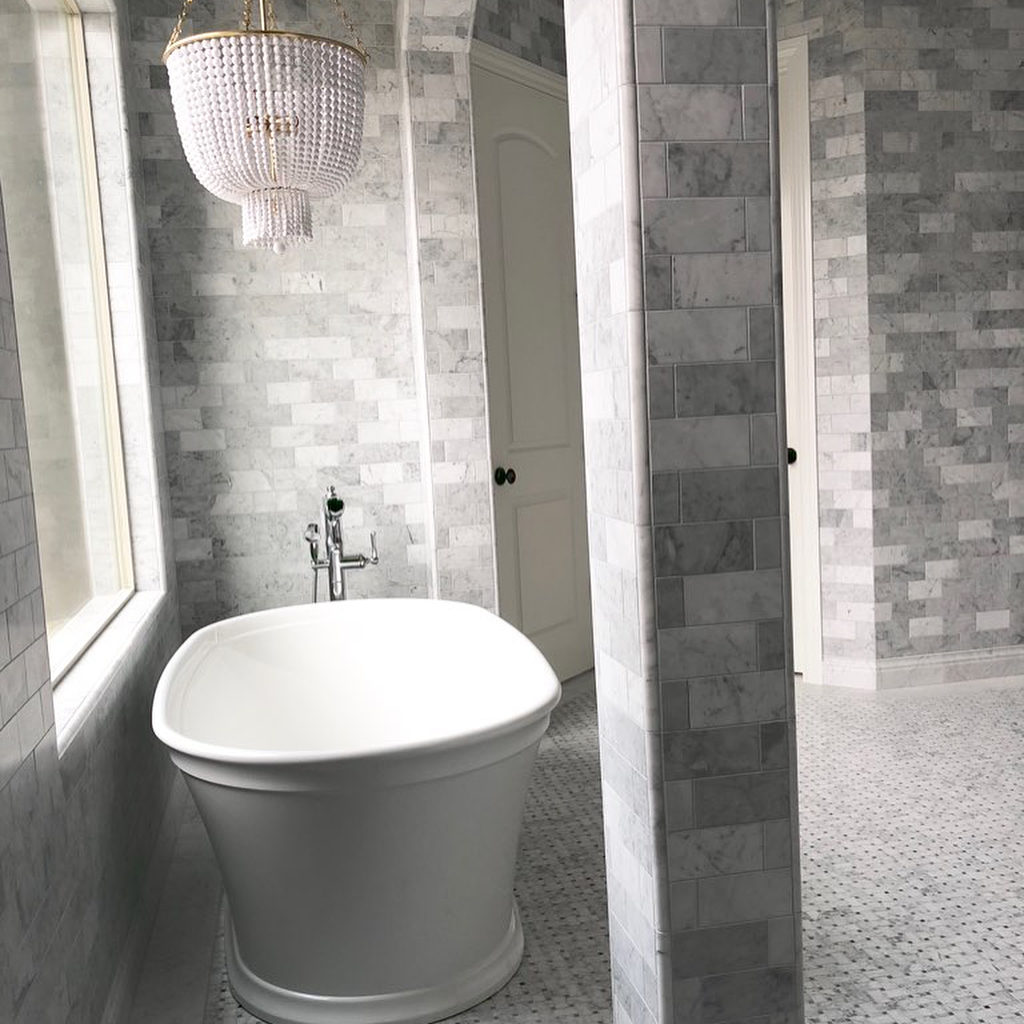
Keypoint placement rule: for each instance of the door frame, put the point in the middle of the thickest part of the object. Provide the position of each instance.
(799, 352)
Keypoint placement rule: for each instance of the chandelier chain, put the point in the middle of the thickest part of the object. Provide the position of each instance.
(348, 24)
(176, 34)
(272, 23)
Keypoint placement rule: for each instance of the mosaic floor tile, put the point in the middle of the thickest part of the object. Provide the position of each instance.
(912, 837)
(560, 887)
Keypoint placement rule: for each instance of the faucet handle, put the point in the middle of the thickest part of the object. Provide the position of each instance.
(374, 557)
(312, 537)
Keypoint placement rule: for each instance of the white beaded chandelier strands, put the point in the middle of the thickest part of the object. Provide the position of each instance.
(268, 118)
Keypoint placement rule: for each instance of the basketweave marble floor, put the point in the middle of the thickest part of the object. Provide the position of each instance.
(912, 835)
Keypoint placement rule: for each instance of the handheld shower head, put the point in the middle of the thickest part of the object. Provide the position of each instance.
(333, 505)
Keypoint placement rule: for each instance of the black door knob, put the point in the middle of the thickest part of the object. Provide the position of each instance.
(504, 476)
(791, 455)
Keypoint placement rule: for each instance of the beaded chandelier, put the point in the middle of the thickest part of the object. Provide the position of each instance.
(268, 119)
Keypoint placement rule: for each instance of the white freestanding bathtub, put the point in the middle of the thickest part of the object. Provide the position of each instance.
(361, 768)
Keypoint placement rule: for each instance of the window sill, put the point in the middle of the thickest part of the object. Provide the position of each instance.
(70, 642)
(84, 684)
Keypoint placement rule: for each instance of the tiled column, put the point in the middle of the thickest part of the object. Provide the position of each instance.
(680, 367)
(726, 693)
(602, 105)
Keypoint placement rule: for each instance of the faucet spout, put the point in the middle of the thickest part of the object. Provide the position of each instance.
(327, 548)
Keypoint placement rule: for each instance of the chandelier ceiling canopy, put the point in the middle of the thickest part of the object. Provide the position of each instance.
(268, 118)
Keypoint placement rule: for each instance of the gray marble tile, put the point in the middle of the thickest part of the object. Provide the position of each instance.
(764, 441)
(725, 389)
(711, 442)
(741, 798)
(759, 224)
(753, 12)
(718, 169)
(728, 494)
(679, 804)
(694, 225)
(778, 843)
(770, 993)
(698, 853)
(683, 902)
(658, 282)
(737, 279)
(669, 600)
(771, 645)
(768, 543)
(755, 112)
(685, 12)
(774, 745)
(696, 335)
(761, 321)
(661, 392)
(665, 497)
(714, 55)
(703, 548)
(714, 951)
(745, 897)
(732, 597)
(705, 651)
(671, 112)
(732, 699)
(699, 753)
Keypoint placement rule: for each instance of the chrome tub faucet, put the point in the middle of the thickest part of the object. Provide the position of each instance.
(328, 532)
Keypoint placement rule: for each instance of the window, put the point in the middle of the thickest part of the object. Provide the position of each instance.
(62, 309)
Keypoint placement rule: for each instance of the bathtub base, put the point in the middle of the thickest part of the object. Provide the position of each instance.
(418, 1006)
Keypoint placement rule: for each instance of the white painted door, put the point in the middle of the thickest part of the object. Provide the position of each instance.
(798, 319)
(524, 193)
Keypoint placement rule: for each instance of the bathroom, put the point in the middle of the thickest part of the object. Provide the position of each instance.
(247, 382)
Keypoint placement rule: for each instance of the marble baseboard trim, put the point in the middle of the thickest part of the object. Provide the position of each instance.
(981, 666)
(122, 989)
(853, 674)
(951, 667)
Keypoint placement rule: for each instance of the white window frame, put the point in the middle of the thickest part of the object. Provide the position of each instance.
(72, 639)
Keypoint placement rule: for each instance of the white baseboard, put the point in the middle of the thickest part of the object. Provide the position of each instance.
(122, 988)
(981, 666)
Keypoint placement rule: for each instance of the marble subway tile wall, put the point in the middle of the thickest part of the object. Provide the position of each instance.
(711, 296)
(331, 364)
(283, 374)
(531, 29)
(944, 100)
(843, 356)
(915, 180)
(77, 830)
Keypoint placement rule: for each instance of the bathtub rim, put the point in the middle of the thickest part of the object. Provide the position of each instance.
(203, 751)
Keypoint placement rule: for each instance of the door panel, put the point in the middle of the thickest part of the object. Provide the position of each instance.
(524, 195)
(546, 558)
(535, 286)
